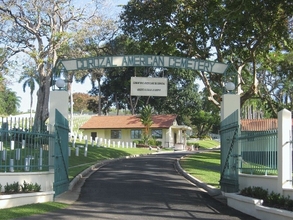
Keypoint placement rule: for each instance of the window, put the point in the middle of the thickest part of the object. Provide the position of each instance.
(93, 135)
(136, 134)
(115, 134)
(157, 133)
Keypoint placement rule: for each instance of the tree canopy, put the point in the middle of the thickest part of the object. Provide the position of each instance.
(239, 32)
(44, 31)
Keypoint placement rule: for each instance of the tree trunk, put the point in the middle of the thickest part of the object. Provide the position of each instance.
(42, 109)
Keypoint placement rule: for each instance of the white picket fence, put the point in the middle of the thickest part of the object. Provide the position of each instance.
(97, 142)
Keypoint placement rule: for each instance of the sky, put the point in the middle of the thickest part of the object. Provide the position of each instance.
(76, 87)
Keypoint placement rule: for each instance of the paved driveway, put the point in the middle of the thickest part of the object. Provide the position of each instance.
(143, 188)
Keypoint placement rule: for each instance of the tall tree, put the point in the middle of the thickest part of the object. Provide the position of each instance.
(239, 32)
(147, 121)
(29, 78)
(116, 84)
(81, 102)
(42, 29)
(9, 102)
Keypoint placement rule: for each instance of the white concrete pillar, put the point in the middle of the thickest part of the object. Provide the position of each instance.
(284, 150)
(230, 103)
(23, 144)
(85, 151)
(58, 100)
(11, 145)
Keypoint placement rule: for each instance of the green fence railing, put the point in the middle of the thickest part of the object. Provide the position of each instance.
(21, 148)
(258, 150)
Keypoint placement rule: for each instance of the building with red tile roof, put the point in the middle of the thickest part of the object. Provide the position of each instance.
(259, 124)
(128, 128)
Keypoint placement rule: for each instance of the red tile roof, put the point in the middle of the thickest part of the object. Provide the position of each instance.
(127, 121)
(259, 124)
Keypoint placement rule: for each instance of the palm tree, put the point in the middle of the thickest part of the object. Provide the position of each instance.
(9, 102)
(146, 120)
(30, 78)
(95, 75)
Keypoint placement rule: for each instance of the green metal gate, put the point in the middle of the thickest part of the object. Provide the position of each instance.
(60, 155)
(229, 153)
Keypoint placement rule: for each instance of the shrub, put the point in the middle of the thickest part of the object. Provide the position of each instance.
(195, 144)
(272, 200)
(152, 142)
(37, 188)
(25, 187)
(12, 188)
(158, 143)
(255, 192)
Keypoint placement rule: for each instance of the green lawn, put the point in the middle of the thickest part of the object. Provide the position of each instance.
(205, 144)
(28, 210)
(96, 154)
(204, 166)
(76, 165)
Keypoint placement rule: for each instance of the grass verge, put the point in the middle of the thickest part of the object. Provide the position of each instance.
(28, 210)
(204, 166)
(204, 143)
(208, 144)
(76, 165)
(97, 154)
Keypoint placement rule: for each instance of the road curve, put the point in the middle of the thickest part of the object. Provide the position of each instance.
(144, 188)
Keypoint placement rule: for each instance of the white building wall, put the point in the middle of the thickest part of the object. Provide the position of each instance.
(266, 182)
(125, 135)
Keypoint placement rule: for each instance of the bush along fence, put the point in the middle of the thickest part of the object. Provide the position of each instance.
(265, 171)
(266, 157)
(16, 187)
(23, 148)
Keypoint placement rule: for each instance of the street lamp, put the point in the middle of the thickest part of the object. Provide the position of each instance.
(229, 87)
(60, 83)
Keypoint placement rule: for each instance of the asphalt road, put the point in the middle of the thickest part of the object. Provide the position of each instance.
(144, 188)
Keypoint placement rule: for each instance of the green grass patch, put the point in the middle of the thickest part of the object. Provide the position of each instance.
(97, 154)
(204, 166)
(208, 144)
(28, 210)
(205, 144)
(204, 162)
(76, 166)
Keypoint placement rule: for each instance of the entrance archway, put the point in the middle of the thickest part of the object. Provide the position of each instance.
(227, 70)
(230, 102)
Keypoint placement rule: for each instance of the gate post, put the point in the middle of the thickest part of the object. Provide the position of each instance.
(59, 101)
(230, 103)
(284, 150)
(230, 151)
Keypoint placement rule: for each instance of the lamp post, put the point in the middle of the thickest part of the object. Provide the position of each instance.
(230, 101)
(60, 83)
(71, 111)
(230, 120)
(230, 87)
(58, 98)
